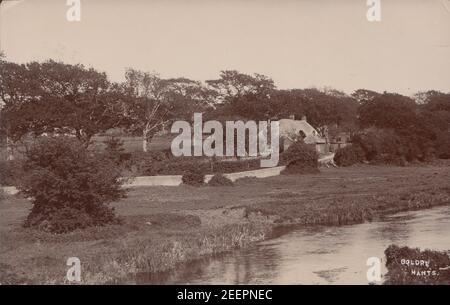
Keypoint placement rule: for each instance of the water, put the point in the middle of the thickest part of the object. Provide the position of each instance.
(318, 255)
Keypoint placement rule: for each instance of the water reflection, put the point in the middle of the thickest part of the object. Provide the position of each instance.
(317, 255)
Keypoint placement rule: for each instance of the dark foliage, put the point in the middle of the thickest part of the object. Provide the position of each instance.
(161, 163)
(235, 166)
(443, 145)
(69, 186)
(220, 180)
(349, 155)
(390, 147)
(194, 176)
(114, 149)
(300, 158)
(387, 110)
(403, 130)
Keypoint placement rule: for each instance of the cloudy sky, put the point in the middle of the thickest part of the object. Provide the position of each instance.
(297, 43)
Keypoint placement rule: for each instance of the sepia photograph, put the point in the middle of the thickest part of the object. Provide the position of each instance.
(198, 144)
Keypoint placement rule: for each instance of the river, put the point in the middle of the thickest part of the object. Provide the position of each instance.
(316, 255)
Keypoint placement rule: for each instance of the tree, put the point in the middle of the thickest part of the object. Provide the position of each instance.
(18, 86)
(56, 98)
(186, 96)
(418, 128)
(146, 103)
(437, 105)
(388, 110)
(153, 102)
(364, 95)
(434, 115)
(233, 84)
(322, 108)
(80, 99)
(239, 94)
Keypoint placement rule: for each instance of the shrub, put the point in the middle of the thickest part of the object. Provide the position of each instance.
(399, 273)
(194, 176)
(114, 149)
(69, 186)
(220, 180)
(349, 155)
(378, 143)
(394, 147)
(300, 158)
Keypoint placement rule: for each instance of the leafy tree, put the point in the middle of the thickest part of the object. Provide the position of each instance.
(80, 96)
(364, 95)
(56, 98)
(18, 86)
(388, 110)
(321, 107)
(233, 84)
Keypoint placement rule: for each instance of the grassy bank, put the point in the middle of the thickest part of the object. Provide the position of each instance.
(166, 226)
(343, 211)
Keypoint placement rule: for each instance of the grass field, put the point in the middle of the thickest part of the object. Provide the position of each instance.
(130, 144)
(165, 226)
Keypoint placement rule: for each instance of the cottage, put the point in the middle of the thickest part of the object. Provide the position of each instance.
(291, 128)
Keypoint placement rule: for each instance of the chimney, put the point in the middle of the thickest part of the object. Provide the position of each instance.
(304, 118)
(292, 117)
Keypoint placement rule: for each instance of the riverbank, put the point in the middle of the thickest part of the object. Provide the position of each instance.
(166, 226)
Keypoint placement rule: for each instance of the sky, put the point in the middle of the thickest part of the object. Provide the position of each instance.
(299, 44)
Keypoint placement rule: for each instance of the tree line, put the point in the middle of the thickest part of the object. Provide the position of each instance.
(58, 98)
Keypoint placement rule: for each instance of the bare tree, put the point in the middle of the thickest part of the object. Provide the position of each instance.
(148, 107)
(154, 102)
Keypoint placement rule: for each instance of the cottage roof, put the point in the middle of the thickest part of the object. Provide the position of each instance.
(290, 126)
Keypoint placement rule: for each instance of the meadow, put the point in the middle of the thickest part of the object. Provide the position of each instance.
(166, 226)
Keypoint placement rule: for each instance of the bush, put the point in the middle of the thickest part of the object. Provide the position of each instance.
(378, 143)
(114, 149)
(300, 158)
(391, 147)
(220, 180)
(349, 155)
(69, 186)
(194, 176)
(399, 273)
